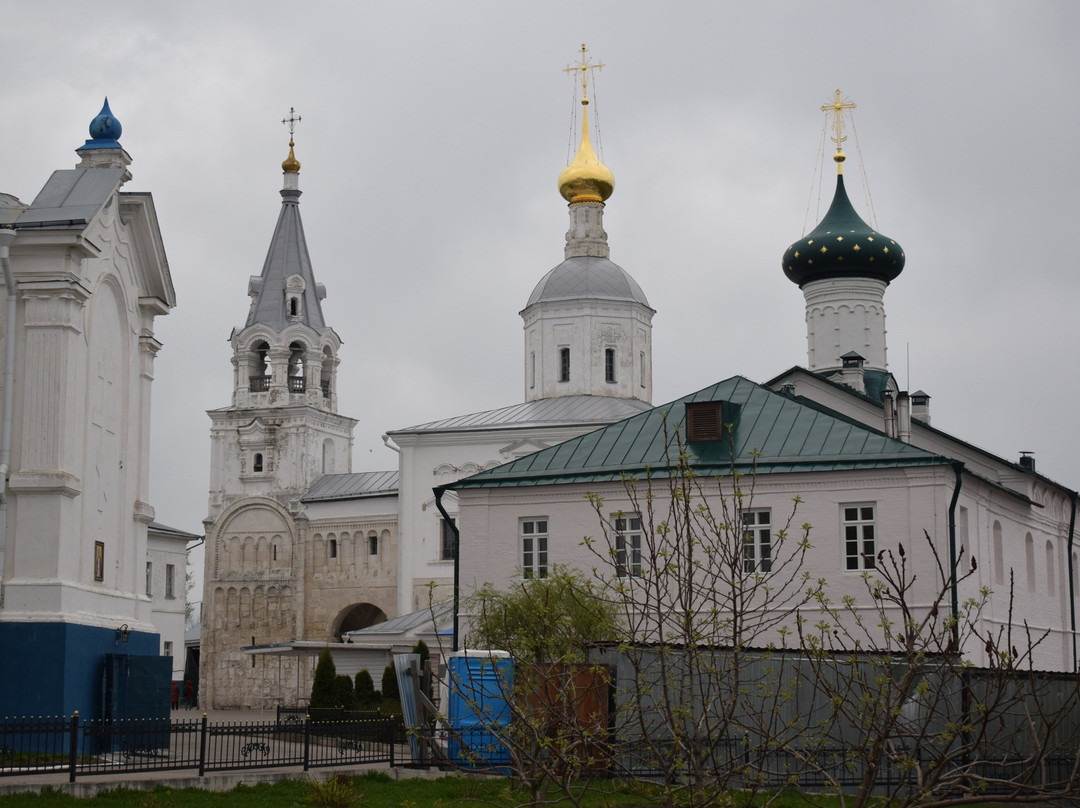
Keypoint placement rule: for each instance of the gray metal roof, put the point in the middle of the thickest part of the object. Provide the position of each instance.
(545, 412)
(437, 617)
(157, 527)
(353, 486)
(587, 276)
(71, 198)
(287, 256)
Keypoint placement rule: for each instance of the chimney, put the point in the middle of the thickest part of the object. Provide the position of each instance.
(903, 416)
(920, 406)
(851, 373)
(890, 414)
(788, 389)
(1027, 461)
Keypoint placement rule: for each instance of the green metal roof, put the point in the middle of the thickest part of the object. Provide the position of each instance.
(773, 432)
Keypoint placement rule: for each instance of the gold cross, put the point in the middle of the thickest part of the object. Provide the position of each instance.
(293, 119)
(837, 108)
(585, 67)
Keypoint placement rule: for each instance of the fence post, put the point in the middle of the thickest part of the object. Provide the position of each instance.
(389, 729)
(202, 747)
(307, 740)
(73, 748)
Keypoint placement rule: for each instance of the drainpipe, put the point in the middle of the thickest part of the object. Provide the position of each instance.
(958, 470)
(457, 567)
(7, 236)
(1072, 591)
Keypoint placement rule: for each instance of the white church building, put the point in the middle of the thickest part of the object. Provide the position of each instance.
(85, 277)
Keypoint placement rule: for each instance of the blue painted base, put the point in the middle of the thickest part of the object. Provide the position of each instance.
(49, 669)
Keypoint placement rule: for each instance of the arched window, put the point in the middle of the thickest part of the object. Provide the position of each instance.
(373, 544)
(257, 465)
(259, 380)
(333, 548)
(297, 380)
(327, 372)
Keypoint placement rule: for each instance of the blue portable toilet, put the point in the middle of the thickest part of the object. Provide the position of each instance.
(479, 684)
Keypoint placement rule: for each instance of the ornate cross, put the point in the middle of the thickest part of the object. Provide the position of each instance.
(837, 108)
(293, 119)
(584, 68)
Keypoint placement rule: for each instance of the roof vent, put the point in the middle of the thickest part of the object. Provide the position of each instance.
(852, 360)
(788, 389)
(708, 420)
(1027, 461)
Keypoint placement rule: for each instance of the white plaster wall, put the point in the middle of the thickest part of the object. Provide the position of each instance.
(845, 314)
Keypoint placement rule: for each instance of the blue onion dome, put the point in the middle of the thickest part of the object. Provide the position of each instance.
(105, 130)
(843, 246)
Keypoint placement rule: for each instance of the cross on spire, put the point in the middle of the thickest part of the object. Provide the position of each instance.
(584, 68)
(837, 108)
(292, 119)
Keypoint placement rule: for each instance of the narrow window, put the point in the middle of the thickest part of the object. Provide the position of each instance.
(273, 552)
(170, 574)
(609, 364)
(167, 648)
(1029, 557)
(627, 545)
(564, 364)
(446, 545)
(532, 370)
(149, 579)
(641, 360)
(333, 548)
(99, 561)
(373, 544)
(534, 548)
(757, 541)
(1051, 583)
(999, 555)
(258, 464)
(860, 543)
(294, 306)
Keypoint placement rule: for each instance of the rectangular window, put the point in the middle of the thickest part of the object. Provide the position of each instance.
(170, 570)
(333, 548)
(168, 648)
(641, 359)
(860, 542)
(99, 561)
(149, 579)
(446, 544)
(534, 548)
(373, 544)
(564, 364)
(757, 541)
(609, 364)
(532, 370)
(627, 545)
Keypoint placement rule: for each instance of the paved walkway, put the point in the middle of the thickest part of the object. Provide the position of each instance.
(91, 784)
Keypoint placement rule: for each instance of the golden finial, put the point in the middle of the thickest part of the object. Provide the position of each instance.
(291, 164)
(837, 108)
(586, 179)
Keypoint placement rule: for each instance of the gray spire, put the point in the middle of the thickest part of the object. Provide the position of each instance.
(286, 292)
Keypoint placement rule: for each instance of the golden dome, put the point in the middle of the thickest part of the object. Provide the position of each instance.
(586, 179)
(291, 163)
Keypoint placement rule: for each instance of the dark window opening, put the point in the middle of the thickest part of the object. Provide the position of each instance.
(609, 364)
(446, 548)
(258, 464)
(373, 544)
(564, 364)
(333, 548)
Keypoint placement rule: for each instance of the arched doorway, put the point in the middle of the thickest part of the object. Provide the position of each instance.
(358, 616)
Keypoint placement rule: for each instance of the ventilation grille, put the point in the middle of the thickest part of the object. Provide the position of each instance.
(704, 421)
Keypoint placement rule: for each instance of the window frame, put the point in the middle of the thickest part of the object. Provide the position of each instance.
(624, 527)
(610, 375)
(446, 534)
(757, 540)
(170, 581)
(564, 363)
(534, 542)
(149, 579)
(855, 530)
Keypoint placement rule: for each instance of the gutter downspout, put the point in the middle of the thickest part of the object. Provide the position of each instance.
(7, 236)
(958, 470)
(1072, 590)
(457, 566)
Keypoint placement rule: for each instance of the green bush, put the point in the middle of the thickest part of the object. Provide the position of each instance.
(343, 692)
(389, 683)
(367, 697)
(323, 687)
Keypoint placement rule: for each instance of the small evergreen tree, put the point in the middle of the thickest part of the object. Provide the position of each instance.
(343, 692)
(322, 688)
(389, 683)
(367, 697)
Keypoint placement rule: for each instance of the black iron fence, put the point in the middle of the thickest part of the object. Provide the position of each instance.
(81, 748)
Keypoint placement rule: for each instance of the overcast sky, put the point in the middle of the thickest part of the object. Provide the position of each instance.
(431, 140)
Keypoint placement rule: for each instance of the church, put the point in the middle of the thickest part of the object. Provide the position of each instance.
(83, 566)
(302, 552)
(860, 455)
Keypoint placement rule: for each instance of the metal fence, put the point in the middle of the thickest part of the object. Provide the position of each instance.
(81, 748)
